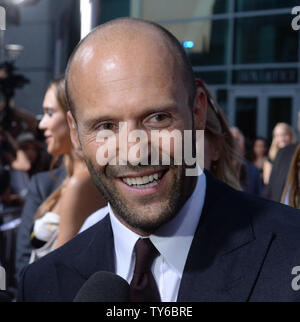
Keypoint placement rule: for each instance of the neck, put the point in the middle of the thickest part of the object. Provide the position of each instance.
(138, 231)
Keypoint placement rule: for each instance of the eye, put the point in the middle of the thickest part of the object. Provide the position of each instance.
(107, 126)
(49, 111)
(159, 117)
(159, 120)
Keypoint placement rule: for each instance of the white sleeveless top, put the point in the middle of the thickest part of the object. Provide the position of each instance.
(45, 231)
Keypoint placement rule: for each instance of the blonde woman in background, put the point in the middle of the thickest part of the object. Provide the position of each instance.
(283, 135)
(291, 192)
(61, 215)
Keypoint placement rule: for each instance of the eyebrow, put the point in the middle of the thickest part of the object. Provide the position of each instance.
(48, 108)
(90, 123)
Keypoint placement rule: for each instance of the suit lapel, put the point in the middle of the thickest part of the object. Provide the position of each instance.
(91, 251)
(98, 254)
(241, 268)
(225, 257)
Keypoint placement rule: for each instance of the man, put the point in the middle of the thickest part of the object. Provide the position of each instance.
(208, 242)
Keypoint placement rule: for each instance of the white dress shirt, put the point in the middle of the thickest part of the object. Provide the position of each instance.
(173, 241)
(94, 218)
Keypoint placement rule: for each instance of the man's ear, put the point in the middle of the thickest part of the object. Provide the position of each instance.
(200, 108)
(74, 135)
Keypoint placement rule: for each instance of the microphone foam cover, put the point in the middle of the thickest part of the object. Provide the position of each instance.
(104, 287)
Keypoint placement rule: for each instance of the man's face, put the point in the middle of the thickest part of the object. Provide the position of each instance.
(147, 95)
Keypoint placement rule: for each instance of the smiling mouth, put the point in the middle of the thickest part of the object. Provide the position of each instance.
(144, 182)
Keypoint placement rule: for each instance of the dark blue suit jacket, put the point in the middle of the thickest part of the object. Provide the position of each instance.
(244, 249)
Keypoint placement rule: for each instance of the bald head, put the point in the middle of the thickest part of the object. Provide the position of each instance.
(128, 78)
(129, 46)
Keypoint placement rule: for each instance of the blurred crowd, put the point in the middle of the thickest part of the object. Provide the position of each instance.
(22, 152)
(20, 158)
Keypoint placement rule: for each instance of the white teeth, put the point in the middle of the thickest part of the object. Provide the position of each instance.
(145, 181)
(148, 185)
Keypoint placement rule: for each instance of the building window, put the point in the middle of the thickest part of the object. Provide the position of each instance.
(268, 39)
(280, 110)
(112, 9)
(246, 115)
(216, 77)
(207, 38)
(252, 5)
(158, 10)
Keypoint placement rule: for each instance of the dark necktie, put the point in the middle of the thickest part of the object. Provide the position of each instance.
(143, 287)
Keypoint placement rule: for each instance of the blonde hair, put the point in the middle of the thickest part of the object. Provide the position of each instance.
(68, 159)
(292, 186)
(227, 168)
(274, 147)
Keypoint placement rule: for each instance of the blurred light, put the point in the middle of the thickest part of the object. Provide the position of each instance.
(2, 19)
(14, 51)
(86, 17)
(16, 2)
(188, 44)
(22, 2)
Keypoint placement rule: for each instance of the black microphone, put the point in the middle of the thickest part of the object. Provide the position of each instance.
(104, 287)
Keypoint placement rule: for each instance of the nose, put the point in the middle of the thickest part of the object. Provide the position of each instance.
(134, 146)
(42, 124)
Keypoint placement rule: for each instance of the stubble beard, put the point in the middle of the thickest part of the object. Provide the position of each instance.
(144, 224)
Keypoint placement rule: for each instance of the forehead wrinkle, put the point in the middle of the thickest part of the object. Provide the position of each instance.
(129, 83)
(128, 73)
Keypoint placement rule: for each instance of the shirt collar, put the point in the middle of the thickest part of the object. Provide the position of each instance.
(176, 236)
(124, 242)
(173, 238)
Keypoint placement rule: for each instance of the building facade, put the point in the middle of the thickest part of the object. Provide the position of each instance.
(246, 50)
(47, 32)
